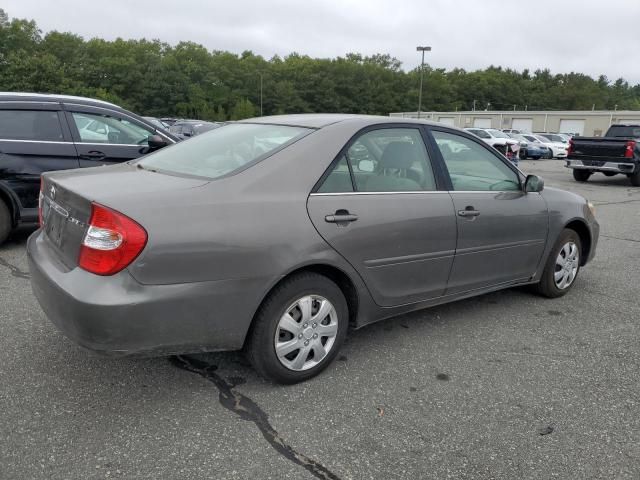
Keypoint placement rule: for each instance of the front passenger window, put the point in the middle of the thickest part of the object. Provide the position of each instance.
(94, 128)
(472, 167)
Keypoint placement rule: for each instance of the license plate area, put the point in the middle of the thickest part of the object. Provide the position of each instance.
(55, 220)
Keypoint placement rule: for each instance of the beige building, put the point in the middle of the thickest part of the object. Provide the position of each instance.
(587, 123)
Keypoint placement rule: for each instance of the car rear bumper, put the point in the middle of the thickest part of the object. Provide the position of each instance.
(602, 166)
(116, 315)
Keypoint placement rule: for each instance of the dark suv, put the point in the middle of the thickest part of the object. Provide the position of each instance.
(40, 133)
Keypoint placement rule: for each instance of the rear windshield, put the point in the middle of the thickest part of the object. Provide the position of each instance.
(555, 138)
(631, 131)
(498, 133)
(224, 150)
(480, 133)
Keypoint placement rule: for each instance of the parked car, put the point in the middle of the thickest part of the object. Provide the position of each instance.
(40, 133)
(169, 120)
(498, 140)
(540, 143)
(190, 128)
(157, 122)
(257, 235)
(556, 149)
(529, 149)
(514, 130)
(554, 137)
(616, 153)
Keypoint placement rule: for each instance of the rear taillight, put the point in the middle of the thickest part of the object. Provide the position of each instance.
(631, 145)
(111, 243)
(570, 148)
(40, 200)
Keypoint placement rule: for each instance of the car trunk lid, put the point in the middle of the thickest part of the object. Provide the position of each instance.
(66, 199)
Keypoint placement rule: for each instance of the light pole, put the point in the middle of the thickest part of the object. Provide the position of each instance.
(260, 73)
(421, 49)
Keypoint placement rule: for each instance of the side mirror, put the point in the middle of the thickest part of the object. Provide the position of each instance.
(156, 141)
(533, 183)
(366, 166)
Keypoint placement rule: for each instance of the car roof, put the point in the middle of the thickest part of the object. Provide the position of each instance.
(319, 120)
(46, 97)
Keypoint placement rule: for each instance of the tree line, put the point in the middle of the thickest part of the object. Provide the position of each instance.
(154, 78)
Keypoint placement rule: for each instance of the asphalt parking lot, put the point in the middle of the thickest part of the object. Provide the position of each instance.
(507, 385)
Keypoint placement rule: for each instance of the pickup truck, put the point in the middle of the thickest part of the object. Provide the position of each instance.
(618, 152)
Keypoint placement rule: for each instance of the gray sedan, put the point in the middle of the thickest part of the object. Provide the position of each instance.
(275, 235)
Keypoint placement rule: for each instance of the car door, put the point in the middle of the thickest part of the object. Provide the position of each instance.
(502, 230)
(105, 137)
(380, 207)
(34, 138)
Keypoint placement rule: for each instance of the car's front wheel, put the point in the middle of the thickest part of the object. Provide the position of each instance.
(562, 267)
(299, 329)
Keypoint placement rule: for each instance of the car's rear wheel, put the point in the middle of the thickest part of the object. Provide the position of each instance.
(5, 221)
(635, 179)
(562, 267)
(581, 175)
(299, 329)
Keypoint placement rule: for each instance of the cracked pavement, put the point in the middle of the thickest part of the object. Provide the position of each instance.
(508, 385)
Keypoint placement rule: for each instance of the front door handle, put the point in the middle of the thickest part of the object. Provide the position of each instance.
(468, 212)
(93, 155)
(341, 216)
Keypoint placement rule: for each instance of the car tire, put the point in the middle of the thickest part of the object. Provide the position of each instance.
(288, 318)
(5, 222)
(522, 154)
(536, 158)
(635, 179)
(558, 277)
(581, 175)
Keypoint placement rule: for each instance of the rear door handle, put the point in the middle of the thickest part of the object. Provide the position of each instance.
(93, 155)
(468, 213)
(341, 216)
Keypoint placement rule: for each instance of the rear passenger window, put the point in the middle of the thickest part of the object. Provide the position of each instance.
(384, 160)
(42, 125)
(339, 180)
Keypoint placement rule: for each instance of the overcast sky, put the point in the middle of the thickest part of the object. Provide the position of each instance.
(587, 36)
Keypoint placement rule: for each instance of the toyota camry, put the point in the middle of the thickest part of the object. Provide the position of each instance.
(276, 235)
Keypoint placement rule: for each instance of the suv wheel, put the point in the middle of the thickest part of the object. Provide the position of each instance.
(581, 175)
(5, 221)
(562, 267)
(299, 329)
(635, 179)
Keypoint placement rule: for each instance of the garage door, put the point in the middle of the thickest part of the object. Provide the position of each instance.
(523, 124)
(482, 122)
(572, 126)
(451, 121)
